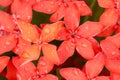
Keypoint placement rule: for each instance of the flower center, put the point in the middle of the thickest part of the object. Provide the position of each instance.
(35, 77)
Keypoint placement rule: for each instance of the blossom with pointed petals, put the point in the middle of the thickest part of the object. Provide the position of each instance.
(61, 8)
(29, 71)
(79, 38)
(91, 71)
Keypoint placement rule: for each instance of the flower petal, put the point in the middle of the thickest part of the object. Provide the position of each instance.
(109, 17)
(22, 11)
(5, 3)
(113, 65)
(44, 65)
(94, 66)
(72, 74)
(115, 39)
(114, 76)
(29, 32)
(50, 31)
(95, 45)
(50, 53)
(110, 49)
(106, 3)
(107, 32)
(24, 71)
(21, 46)
(84, 48)
(103, 78)
(83, 8)
(62, 35)
(49, 77)
(6, 22)
(11, 71)
(72, 17)
(90, 29)
(7, 43)
(59, 14)
(46, 6)
(65, 50)
(3, 62)
(32, 52)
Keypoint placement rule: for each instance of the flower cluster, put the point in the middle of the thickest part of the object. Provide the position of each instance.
(68, 47)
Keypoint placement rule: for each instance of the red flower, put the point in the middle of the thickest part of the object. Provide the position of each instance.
(92, 69)
(79, 38)
(8, 39)
(30, 72)
(31, 40)
(110, 47)
(110, 17)
(62, 8)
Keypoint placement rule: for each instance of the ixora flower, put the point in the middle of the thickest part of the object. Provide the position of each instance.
(30, 72)
(59, 8)
(80, 38)
(110, 17)
(110, 47)
(8, 39)
(91, 70)
(31, 40)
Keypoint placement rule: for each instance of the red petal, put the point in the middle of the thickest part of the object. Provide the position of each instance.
(83, 8)
(3, 62)
(19, 61)
(29, 32)
(109, 17)
(107, 32)
(50, 53)
(118, 28)
(30, 2)
(90, 29)
(62, 35)
(94, 67)
(6, 22)
(84, 48)
(95, 45)
(106, 3)
(110, 49)
(7, 43)
(32, 52)
(72, 74)
(11, 71)
(21, 46)
(5, 3)
(114, 76)
(49, 77)
(113, 65)
(46, 6)
(72, 17)
(103, 78)
(50, 31)
(25, 71)
(66, 50)
(115, 39)
(44, 65)
(22, 11)
(59, 14)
